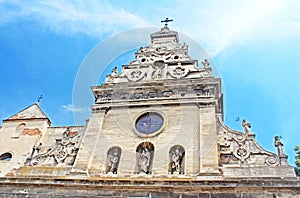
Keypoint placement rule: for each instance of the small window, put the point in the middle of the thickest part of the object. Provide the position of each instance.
(6, 157)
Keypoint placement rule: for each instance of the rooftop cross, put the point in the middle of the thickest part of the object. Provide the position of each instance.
(166, 21)
(40, 98)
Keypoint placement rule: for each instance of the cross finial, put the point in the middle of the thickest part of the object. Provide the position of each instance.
(39, 98)
(166, 21)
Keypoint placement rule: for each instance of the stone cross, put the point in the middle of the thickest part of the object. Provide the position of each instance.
(166, 21)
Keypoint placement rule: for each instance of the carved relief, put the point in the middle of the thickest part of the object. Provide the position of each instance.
(135, 74)
(236, 147)
(272, 160)
(205, 73)
(242, 152)
(178, 72)
(154, 93)
(63, 152)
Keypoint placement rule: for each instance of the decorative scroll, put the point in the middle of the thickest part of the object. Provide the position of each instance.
(237, 147)
(272, 160)
(135, 74)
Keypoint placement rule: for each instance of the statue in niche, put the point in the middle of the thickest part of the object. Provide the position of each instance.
(114, 160)
(176, 157)
(279, 145)
(246, 125)
(176, 161)
(144, 161)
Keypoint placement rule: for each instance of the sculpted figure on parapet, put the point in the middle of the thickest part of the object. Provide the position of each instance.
(114, 74)
(205, 63)
(279, 145)
(246, 125)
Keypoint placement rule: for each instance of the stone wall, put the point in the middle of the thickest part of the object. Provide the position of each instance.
(99, 187)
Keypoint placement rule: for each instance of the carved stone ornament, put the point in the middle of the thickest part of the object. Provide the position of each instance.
(178, 72)
(135, 74)
(242, 153)
(205, 73)
(237, 147)
(63, 152)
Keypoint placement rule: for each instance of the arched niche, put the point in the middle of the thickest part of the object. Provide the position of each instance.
(176, 159)
(18, 132)
(144, 157)
(6, 157)
(113, 159)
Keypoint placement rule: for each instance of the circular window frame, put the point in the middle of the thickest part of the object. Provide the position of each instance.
(140, 134)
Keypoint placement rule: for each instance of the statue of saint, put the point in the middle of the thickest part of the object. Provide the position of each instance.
(111, 77)
(176, 161)
(144, 161)
(114, 163)
(114, 72)
(279, 145)
(205, 63)
(246, 126)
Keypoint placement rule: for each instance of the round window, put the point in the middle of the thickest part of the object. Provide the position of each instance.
(149, 123)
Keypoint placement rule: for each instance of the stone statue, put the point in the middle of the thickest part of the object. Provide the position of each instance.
(279, 145)
(205, 63)
(144, 161)
(246, 126)
(114, 160)
(176, 161)
(157, 72)
(35, 150)
(66, 133)
(111, 78)
(114, 72)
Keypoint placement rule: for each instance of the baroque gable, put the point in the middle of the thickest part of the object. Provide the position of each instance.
(166, 58)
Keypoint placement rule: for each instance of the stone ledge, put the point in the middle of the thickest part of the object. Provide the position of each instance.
(147, 187)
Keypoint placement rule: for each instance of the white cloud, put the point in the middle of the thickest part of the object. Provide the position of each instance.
(92, 18)
(215, 24)
(218, 24)
(71, 108)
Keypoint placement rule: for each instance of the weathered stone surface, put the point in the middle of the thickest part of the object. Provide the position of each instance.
(156, 130)
(62, 187)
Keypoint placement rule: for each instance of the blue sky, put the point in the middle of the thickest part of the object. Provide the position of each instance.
(255, 46)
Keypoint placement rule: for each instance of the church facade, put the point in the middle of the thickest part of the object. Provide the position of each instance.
(156, 129)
